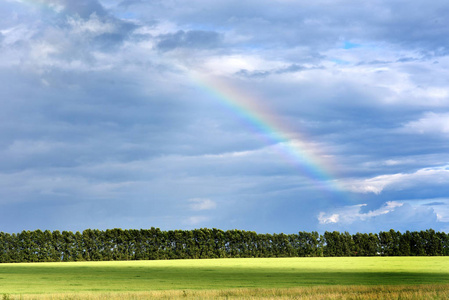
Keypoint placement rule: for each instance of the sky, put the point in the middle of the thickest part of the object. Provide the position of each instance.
(263, 115)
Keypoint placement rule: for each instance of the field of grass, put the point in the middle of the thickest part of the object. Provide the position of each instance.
(186, 277)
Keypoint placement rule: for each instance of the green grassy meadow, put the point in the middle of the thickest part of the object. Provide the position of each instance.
(220, 274)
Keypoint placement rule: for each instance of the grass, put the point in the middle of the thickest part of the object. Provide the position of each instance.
(319, 292)
(213, 278)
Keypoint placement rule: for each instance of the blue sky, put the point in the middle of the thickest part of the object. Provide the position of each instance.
(103, 124)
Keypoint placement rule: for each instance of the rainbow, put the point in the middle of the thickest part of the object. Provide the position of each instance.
(292, 145)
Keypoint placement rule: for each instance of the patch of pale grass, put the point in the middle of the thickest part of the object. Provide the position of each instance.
(317, 292)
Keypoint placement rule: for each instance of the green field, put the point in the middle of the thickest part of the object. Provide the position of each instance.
(220, 274)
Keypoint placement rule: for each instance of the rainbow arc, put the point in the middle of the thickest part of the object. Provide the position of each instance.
(293, 145)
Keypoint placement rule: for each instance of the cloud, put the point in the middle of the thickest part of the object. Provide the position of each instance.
(293, 68)
(439, 205)
(350, 214)
(196, 220)
(189, 39)
(430, 123)
(391, 215)
(100, 115)
(202, 204)
(94, 25)
(316, 25)
(69, 39)
(127, 3)
(83, 8)
(16, 34)
(328, 219)
(427, 176)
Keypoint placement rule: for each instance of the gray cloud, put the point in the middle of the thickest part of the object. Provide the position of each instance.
(189, 39)
(293, 68)
(82, 8)
(102, 115)
(321, 24)
(434, 203)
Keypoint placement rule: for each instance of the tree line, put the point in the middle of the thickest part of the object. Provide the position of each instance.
(153, 243)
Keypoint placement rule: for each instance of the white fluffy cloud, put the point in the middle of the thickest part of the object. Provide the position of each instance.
(93, 26)
(202, 204)
(351, 214)
(391, 215)
(430, 123)
(427, 176)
